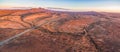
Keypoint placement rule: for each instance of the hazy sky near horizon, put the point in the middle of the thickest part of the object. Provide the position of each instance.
(80, 5)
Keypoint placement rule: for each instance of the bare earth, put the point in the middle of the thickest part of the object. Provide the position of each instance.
(58, 31)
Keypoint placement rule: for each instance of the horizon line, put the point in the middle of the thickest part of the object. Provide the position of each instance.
(73, 10)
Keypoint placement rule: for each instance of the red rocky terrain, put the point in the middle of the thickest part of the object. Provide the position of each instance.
(58, 31)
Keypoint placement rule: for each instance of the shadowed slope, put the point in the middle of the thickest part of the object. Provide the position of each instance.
(63, 31)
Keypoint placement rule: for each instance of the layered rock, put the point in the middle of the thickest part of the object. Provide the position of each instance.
(11, 21)
(60, 31)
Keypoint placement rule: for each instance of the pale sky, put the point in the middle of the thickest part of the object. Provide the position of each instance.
(79, 5)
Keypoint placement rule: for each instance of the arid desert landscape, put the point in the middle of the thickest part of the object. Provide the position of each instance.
(44, 30)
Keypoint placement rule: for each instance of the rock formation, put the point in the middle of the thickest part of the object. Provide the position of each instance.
(63, 32)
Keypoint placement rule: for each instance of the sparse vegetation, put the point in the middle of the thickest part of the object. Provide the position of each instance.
(40, 30)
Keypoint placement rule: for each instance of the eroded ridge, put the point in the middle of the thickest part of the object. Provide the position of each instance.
(43, 30)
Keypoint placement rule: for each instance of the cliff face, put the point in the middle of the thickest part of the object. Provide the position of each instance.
(59, 31)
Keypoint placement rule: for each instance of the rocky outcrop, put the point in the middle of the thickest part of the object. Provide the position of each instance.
(11, 21)
(59, 31)
(10, 24)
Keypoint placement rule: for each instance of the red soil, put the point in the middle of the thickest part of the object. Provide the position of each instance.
(68, 32)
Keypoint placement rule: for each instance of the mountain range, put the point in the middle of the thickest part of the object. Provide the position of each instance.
(58, 30)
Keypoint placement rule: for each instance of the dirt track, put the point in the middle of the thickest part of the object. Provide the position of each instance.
(68, 32)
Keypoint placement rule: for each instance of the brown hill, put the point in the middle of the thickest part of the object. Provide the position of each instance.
(60, 31)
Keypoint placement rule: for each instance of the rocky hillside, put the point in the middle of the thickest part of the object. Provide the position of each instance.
(56, 31)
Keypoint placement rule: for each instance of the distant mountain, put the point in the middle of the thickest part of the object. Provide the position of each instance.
(58, 9)
(17, 8)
